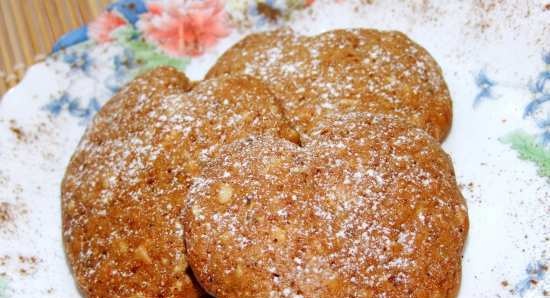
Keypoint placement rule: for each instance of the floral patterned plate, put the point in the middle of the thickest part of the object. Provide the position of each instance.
(495, 56)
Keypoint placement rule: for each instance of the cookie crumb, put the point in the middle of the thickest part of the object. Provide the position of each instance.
(17, 131)
(5, 213)
(270, 13)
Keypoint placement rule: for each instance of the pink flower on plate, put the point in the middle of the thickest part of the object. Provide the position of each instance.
(184, 28)
(100, 30)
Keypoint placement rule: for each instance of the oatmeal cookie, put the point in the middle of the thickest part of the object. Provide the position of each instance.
(123, 189)
(369, 208)
(357, 70)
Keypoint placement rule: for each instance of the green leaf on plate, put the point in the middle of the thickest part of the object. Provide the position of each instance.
(529, 149)
(3, 287)
(147, 54)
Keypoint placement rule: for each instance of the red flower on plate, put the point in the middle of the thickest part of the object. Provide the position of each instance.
(101, 29)
(184, 28)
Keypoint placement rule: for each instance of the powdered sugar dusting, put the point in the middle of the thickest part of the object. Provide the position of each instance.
(345, 70)
(123, 190)
(326, 219)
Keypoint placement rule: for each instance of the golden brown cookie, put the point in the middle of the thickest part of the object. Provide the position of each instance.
(369, 208)
(345, 71)
(123, 189)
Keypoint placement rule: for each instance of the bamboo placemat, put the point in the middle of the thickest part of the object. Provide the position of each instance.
(29, 28)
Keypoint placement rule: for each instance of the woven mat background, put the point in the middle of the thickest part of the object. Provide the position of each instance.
(29, 28)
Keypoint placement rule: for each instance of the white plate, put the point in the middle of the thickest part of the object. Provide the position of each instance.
(496, 60)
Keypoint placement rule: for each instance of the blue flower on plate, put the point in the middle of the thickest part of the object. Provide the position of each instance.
(124, 66)
(485, 85)
(73, 107)
(539, 107)
(542, 83)
(535, 273)
(129, 9)
(56, 105)
(546, 58)
(545, 137)
(81, 61)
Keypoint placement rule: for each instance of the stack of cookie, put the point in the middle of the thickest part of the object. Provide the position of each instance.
(300, 167)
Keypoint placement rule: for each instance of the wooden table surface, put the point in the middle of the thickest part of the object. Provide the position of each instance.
(29, 28)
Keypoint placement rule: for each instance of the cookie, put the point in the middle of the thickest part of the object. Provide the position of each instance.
(123, 189)
(358, 70)
(368, 208)
(122, 114)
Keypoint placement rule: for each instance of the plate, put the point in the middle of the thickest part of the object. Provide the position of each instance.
(495, 56)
